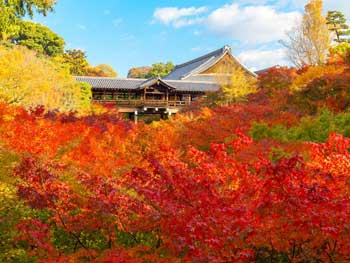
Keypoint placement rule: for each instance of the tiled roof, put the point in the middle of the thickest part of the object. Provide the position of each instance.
(130, 84)
(200, 86)
(198, 65)
(111, 83)
(183, 70)
(203, 78)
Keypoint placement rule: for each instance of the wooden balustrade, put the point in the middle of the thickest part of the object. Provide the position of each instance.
(145, 103)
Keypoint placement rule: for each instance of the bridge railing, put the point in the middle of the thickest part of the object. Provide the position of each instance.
(145, 103)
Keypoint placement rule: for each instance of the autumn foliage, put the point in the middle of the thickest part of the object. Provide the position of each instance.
(261, 180)
(100, 189)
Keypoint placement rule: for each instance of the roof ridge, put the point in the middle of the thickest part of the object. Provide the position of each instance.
(187, 81)
(220, 50)
(146, 80)
(109, 78)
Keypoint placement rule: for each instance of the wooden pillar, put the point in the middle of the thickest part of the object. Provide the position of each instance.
(189, 99)
(167, 97)
(135, 117)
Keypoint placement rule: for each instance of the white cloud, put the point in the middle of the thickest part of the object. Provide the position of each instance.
(249, 21)
(116, 22)
(187, 22)
(179, 17)
(257, 24)
(260, 59)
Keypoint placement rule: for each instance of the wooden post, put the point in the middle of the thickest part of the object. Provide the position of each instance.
(135, 117)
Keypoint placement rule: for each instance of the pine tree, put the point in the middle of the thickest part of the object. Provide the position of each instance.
(336, 22)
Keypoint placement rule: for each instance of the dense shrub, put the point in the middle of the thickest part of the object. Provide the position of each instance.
(100, 189)
(314, 129)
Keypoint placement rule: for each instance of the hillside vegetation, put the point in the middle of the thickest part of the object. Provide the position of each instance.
(194, 188)
(260, 175)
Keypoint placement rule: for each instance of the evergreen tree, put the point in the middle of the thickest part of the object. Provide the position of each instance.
(160, 69)
(39, 38)
(336, 22)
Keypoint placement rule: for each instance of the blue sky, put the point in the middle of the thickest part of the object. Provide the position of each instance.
(134, 33)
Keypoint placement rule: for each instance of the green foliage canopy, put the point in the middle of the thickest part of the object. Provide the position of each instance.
(156, 70)
(160, 69)
(11, 12)
(315, 129)
(39, 38)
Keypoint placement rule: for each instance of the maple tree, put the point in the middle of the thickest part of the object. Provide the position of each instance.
(276, 78)
(96, 189)
(265, 179)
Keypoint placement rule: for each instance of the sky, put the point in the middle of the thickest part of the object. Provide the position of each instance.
(133, 33)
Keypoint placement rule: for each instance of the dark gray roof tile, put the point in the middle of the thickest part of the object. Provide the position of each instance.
(198, 65)
(183, 70)
(131, 84)
(111, 83)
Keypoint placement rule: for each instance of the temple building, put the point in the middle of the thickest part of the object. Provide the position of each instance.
(168, 95)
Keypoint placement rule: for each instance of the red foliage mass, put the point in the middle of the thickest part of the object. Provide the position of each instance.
(229, 203)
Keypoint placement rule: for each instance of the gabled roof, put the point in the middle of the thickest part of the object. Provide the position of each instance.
(198, 65)
(153, 81)
(133, 84)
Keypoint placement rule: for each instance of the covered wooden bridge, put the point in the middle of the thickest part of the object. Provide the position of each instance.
(184, 85)
(147, 96)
